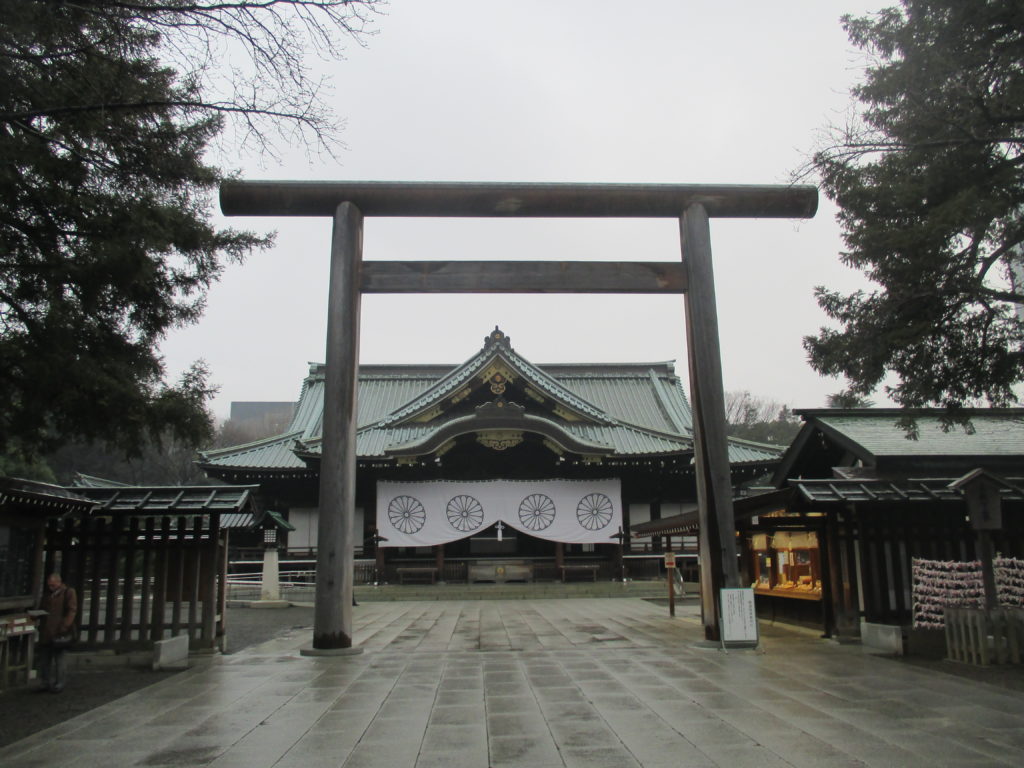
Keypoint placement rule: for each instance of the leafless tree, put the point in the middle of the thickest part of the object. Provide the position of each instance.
(253, 61)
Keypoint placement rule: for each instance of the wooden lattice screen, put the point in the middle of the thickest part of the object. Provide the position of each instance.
(143, 578)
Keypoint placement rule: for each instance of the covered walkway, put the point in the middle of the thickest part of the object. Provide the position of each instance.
(538, 683)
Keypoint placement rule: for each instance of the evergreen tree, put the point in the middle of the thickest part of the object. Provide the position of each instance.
(928, 178)
(107, 114)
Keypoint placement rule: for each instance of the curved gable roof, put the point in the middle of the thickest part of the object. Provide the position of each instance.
(624, 409)
(497, 347)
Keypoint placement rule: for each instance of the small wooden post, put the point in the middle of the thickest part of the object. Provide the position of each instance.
(332, 619)
(670, 567)
(222, 590)
(378, 558)
(439, 562)
(711, 448)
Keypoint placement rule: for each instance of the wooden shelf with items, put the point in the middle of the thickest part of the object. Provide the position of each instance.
(787, 564)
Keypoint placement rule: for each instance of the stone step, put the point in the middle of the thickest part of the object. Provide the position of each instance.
(555, 590)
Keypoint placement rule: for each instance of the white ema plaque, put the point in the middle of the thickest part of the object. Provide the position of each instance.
(738, 619)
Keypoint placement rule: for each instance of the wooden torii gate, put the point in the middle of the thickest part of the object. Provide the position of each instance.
(349, 202)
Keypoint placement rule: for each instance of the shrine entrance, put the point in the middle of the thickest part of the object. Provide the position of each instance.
(349, 202)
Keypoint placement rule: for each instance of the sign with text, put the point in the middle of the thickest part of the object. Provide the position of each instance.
(670, 559)
(738, 618)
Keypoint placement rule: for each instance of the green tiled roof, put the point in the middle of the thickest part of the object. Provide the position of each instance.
(172, 499)
(995, 433)
(623, 410)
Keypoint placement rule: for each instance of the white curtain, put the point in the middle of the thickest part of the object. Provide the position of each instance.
(430, 513)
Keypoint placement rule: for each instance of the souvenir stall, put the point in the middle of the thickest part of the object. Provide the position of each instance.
(868, 502)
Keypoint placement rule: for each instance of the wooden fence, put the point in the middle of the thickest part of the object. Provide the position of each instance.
(142, 578)
(977, 636)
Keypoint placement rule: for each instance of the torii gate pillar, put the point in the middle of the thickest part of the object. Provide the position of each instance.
(718, 565)
(335, 554)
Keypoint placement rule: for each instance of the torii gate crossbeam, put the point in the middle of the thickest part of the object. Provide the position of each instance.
(349, 202)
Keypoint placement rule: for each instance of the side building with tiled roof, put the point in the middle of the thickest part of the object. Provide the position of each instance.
(865, 501)
(438, 432)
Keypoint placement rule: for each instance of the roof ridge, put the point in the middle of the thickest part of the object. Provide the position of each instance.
(497, 344)
(757, 444)
(663, 404)
(217, 453)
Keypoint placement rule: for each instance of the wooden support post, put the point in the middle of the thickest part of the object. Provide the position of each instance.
(178, 575)
(194, 571)
(986, 554)
(222, 590)
(160, 583)
(146, 587)
(379, 562)
(439, 562)
(711, 449)
(128, 591)
(332, 620)
(559, 556)
(112, 597)
(211, 561)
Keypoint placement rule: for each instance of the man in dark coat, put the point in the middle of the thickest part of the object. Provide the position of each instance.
(57, 632)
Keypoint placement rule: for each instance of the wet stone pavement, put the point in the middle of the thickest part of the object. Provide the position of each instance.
(538, 683)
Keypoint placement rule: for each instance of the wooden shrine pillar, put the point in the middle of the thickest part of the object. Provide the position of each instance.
(718, 566)
(332, 618)
(559, 556)
(842, 584)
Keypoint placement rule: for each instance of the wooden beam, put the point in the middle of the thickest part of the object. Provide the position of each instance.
(503, 200)
(523, 277)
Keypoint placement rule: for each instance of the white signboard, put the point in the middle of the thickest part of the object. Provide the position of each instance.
(738, 618)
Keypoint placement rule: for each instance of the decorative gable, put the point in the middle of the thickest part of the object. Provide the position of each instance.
(497, 374)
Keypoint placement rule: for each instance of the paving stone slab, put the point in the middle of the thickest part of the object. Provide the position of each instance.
(439, 684)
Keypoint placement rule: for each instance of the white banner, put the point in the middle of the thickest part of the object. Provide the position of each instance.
(430, 513)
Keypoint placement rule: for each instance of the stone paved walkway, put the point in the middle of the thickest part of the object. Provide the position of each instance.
(543, 683)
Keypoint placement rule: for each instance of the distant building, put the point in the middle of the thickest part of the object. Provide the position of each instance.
(265, 417)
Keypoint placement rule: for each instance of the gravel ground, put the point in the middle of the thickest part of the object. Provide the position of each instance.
(23, 711)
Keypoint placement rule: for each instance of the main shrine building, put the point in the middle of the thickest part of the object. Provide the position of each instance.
(495, 460)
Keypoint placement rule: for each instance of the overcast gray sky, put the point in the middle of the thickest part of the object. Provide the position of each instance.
(660, 91)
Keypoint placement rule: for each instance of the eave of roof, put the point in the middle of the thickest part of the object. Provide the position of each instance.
(876, 432)
(91, 481)
(173, 500)
(40, 500)
(744, 507)
(880, 491)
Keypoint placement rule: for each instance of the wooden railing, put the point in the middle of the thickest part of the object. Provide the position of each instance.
(978, 636)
